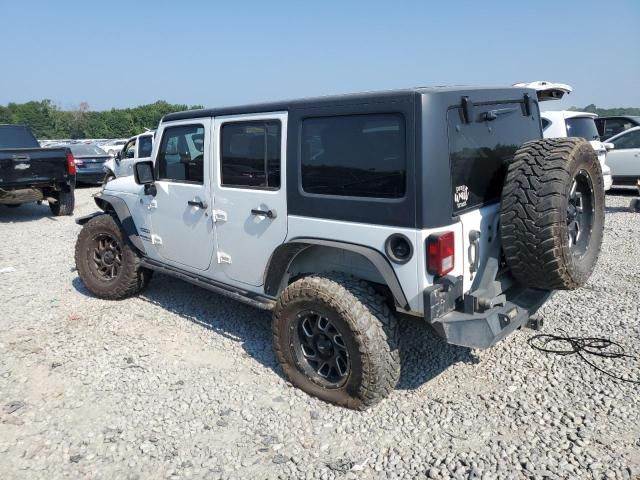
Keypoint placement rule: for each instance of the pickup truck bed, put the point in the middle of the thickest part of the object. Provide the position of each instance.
(29, 173)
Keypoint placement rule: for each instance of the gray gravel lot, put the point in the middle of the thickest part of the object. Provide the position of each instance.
(182, 383)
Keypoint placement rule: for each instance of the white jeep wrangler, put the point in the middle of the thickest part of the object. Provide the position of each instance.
(338, 212)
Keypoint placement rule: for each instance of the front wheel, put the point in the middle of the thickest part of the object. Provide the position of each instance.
(107, 263)
(336, 339)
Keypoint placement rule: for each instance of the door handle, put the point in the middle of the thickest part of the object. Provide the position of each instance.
(198, 203)
(264, 213)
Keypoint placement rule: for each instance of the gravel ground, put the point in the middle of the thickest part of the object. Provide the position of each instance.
(182, 383)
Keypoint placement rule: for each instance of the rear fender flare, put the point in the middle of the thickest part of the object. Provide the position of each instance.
(285, 254)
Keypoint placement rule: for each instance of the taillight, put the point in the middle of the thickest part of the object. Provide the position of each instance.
(71, 164)
(440, 253)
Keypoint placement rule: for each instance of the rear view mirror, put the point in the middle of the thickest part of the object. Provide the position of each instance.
(143, 173)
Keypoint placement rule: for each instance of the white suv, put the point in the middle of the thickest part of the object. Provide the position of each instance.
(567, 123)
(337, 213)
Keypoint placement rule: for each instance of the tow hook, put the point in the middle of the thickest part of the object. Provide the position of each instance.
(535, 323)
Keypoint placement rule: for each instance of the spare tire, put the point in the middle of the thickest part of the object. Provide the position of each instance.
(552, 213)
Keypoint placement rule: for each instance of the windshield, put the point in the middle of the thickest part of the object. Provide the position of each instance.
(84, 150)
(584, 127)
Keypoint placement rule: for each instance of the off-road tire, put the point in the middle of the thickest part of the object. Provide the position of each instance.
(372, 339)
(65, 203)
(131, 279)
(533, 221)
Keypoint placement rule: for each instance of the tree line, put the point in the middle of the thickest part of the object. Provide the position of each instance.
(607, 112)
(49, 121)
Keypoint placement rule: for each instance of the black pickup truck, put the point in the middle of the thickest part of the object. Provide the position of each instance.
(29, 173)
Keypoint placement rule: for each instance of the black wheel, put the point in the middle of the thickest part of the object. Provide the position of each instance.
(107, 264)
(552, 216)
(64, 204)
(336, 339)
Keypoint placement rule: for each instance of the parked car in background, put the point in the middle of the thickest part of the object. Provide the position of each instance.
(624, 159)
(89, 161)
(136, 148)
(113, 146)
(610, 126)
(29, 173)
(566, 123)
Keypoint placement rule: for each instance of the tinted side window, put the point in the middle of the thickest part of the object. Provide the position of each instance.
(181, 154)
(145, 147)
(545, 123)
(630, 140)
(354, 155)
(250, 154)
(479, 152)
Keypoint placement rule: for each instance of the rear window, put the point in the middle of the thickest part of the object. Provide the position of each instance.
(17, 136)
(82, 150)
(354, 155)
(584, 127)
(479, 151)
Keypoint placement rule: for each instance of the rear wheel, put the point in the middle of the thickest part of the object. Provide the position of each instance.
(552, 216)
(336, 339)
(107, 264)
(64, 204)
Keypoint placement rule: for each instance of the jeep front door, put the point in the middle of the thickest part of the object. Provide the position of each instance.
(180, 214)
(249, 193)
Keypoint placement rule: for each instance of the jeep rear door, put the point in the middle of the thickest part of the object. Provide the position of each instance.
(249, 188)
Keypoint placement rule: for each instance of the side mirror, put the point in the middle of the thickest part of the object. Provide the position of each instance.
(131, 153)
(144, 175)
(609, 146)
(119, 155)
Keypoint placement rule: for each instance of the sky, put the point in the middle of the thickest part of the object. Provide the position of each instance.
(214, 53)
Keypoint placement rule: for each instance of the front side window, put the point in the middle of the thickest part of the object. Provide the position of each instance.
(630, 140)
(250, 154)
(584, 127)
(130, 149)
(354, 155)
(145, 146)
(181, 154)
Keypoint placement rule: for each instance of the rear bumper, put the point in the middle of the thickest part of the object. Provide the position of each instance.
(467, 323)
(93, 176)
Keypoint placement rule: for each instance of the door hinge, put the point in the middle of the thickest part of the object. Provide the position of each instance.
(224, 258)
(219, 216)
(155, 239)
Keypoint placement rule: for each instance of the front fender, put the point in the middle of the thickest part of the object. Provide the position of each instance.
(118, 207)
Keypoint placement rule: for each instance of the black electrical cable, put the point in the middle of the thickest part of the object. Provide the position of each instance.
(581, 346)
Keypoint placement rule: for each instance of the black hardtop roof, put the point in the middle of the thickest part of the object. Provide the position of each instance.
(351, 98)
